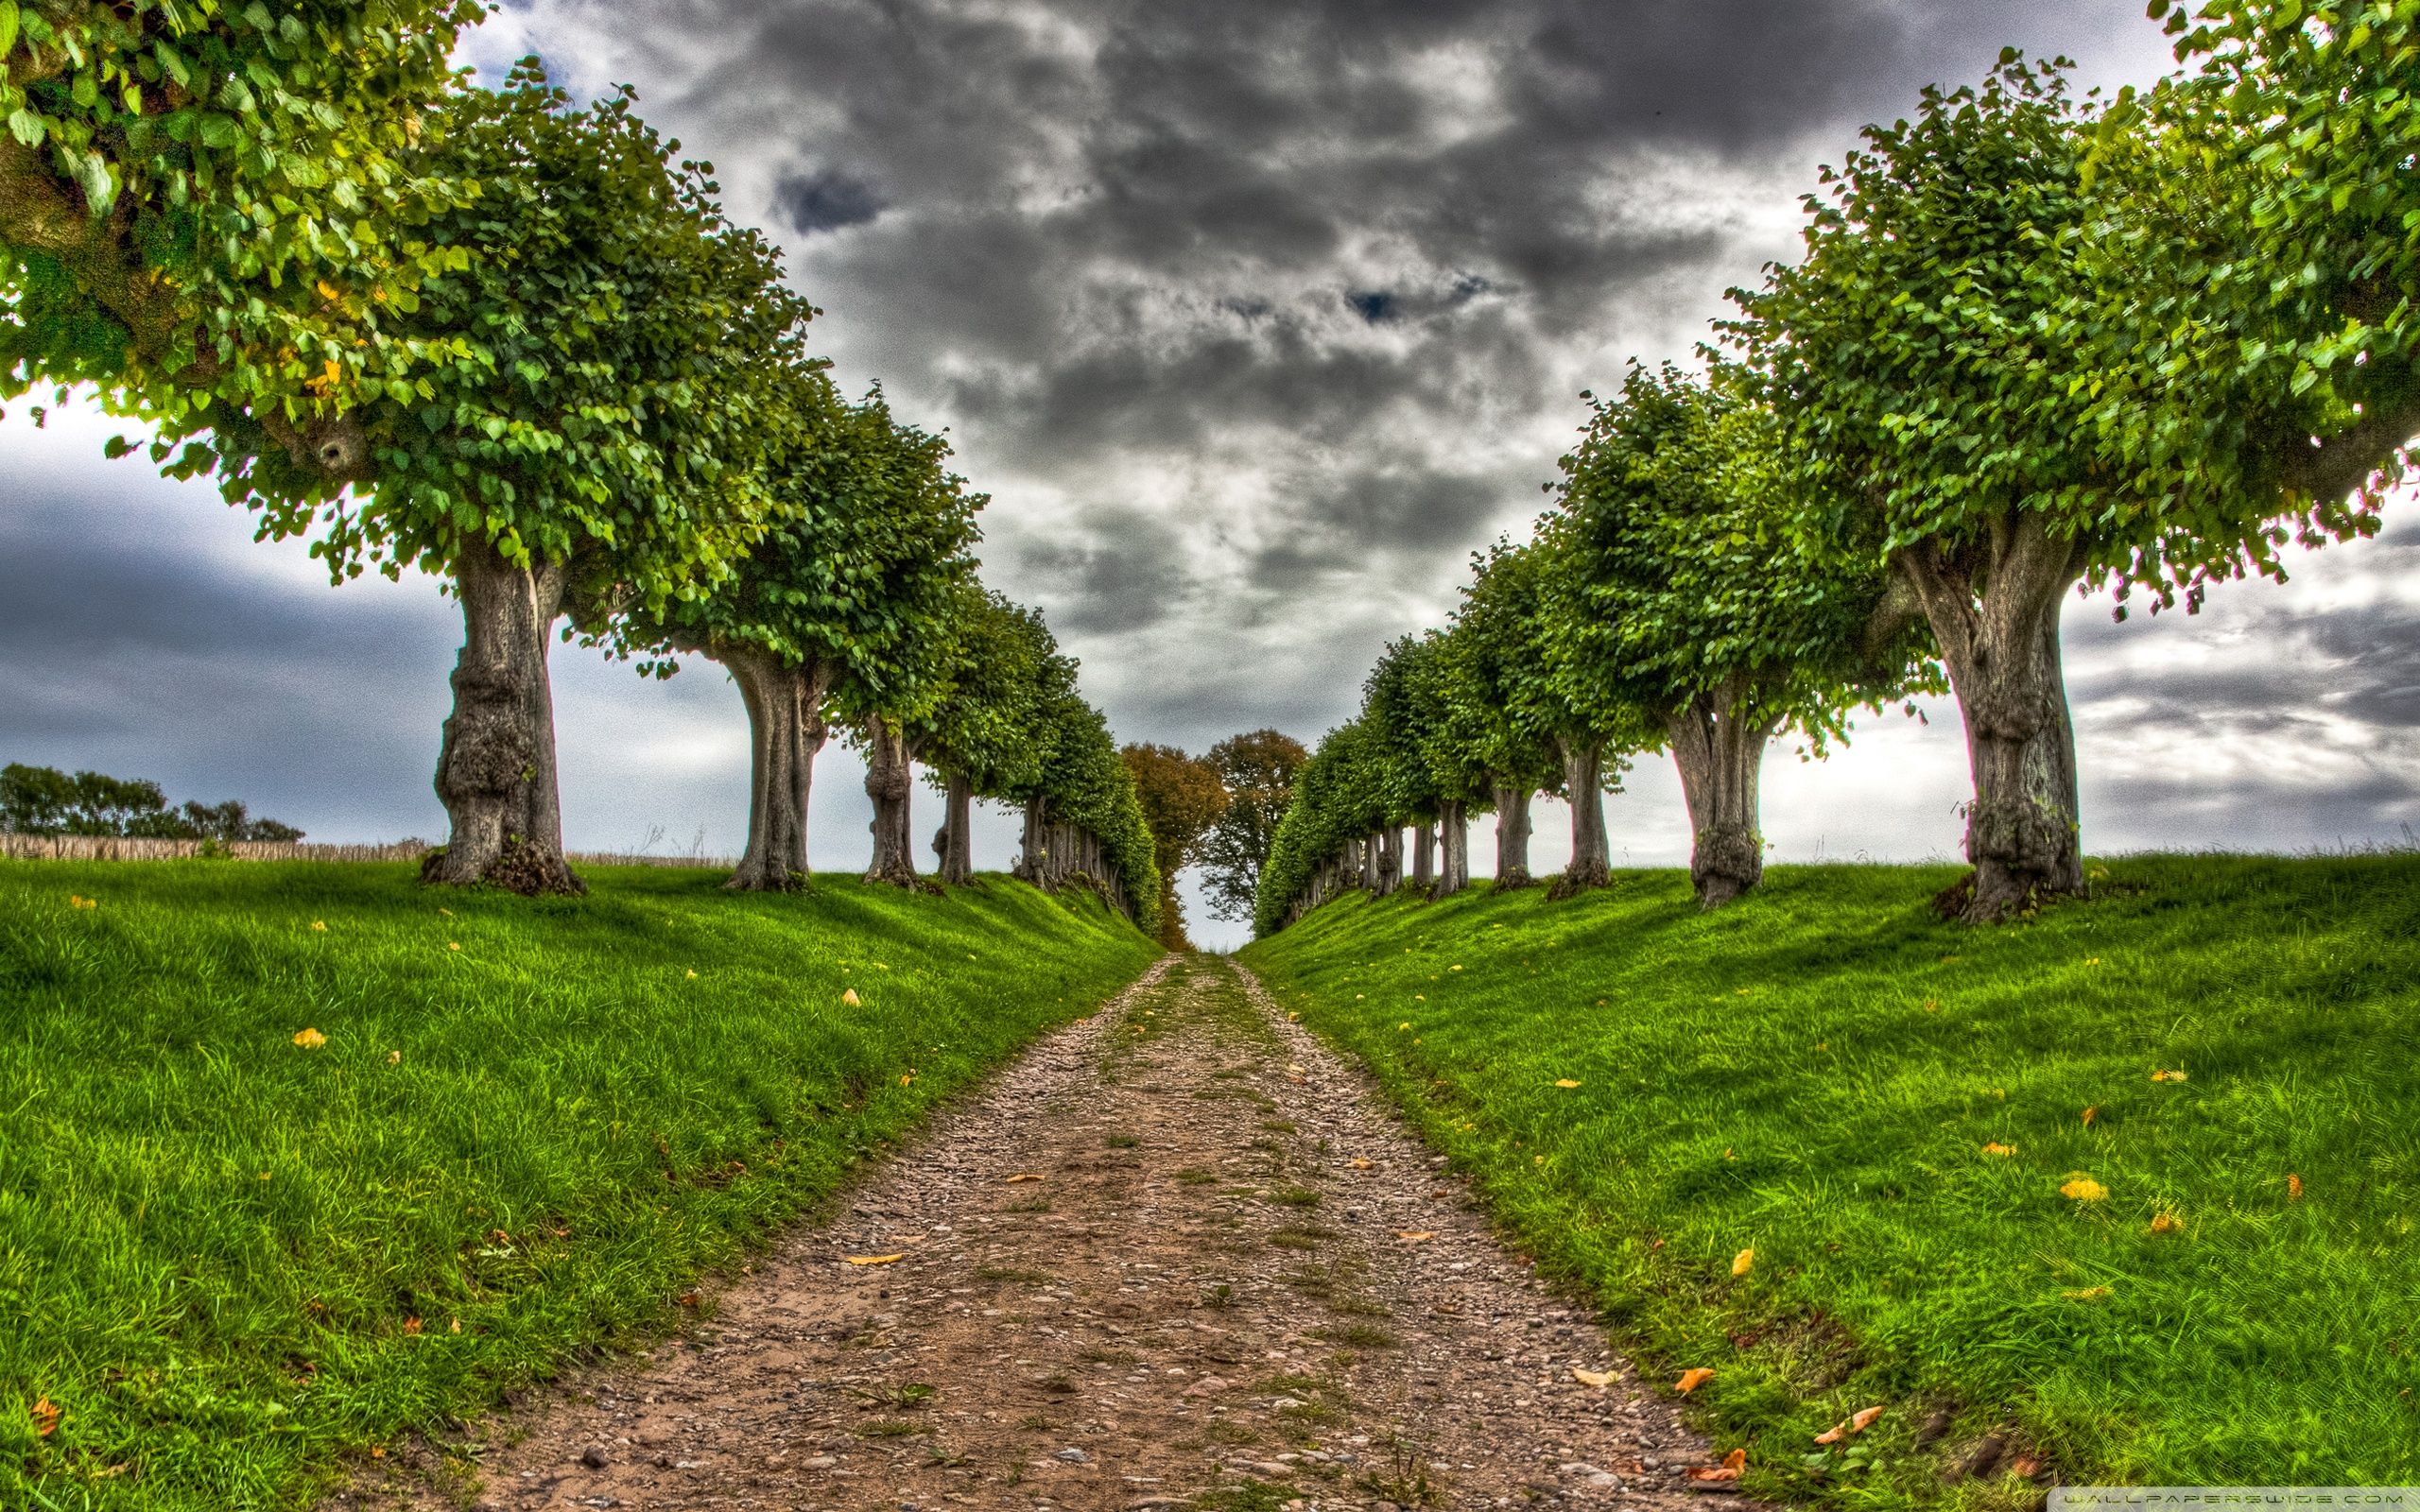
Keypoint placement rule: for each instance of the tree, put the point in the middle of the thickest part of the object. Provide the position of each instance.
(1490, 658)
(1181, 796)
(593, 450)
(983, 739)
(865, 547)
(1258, 770)
(1084, 819)
(1548, 729)
(189, 189)
(1695, 600)
(1448, 717)
(45, 800)
(1943, 386)
(1391, 709)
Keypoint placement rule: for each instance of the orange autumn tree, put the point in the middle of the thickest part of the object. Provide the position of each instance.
(1182, 797)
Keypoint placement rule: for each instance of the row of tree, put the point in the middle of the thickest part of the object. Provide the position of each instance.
(2037, 345)
(43, 800)
(514, 341)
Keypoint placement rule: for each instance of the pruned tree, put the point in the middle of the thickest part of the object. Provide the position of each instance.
(864, 552)
(1084, 819)
(983, 739)
(1406, 788)
(1258, 768)
(1941, 361)
(1695, 598)
(1489, 655)
(593, 452)
(1182, 797)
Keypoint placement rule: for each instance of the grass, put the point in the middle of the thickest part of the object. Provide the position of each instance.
(229, 1260)
(1816, 1074)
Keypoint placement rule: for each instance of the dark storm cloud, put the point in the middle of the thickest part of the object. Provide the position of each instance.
(824, 200)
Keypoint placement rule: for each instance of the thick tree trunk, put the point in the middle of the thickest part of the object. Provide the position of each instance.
(890, 783)
(1513, 838)
(785, 730)
(1994, 609)
(1454, 839)
(1423, 857)
(1719, 748)
(496, 770)
(1583, 780)
(954, 843)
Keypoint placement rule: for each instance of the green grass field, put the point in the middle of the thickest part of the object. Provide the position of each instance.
(228, 1259)
(1827, 1075)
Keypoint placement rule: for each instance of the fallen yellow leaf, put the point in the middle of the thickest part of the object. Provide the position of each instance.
(1565, 1081)
(1360, 1164)
(1860, 1421)
(2165, 1223)
(46, 1415)
(1023, 1176)
(2084, 1189)
(874, 1260)
(1742, 1261)
(453, 945)
(320, 925)
(75, 902)
(2088, 1294)
(1834, 1434)
(2293, 1187)
(2088, 1115)
(1592, 1378)
(1996, 1147)
(310, 1038)
(693, 974)
(1404, 1027)
(395, 1058)
(907, 1076)
(1414, 1236)
(2167, 1076)
(851, 998)
(1691, 1380)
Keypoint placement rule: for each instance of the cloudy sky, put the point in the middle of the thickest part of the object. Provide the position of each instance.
(1254, 318)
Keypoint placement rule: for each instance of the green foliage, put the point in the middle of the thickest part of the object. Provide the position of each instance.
(618, 340)
(213, 1242)
(1814, 1072)
(1335, 800)
(984, 728)
(188, 186)
(864, 551)
(1942, 359)
(1394, 700)
(1258, 768)
(1505, 696)
(1083, 783)
(1686, 571)
(46, 801)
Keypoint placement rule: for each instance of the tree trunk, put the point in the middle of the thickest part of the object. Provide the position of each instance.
(1390, 860)
(1513, 838)
(1994, 607)
(1583, 780)
(955, 844)
(785, 730)
(890, 783)
(1454, 840)
(1031, 843)
(1719, 748)
(496, 770)
(1423, 857)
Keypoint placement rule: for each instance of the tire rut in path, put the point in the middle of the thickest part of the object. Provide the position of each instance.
(1174, 1255)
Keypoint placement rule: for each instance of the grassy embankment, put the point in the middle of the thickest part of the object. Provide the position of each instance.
(227, 1257)
(1899, 1117)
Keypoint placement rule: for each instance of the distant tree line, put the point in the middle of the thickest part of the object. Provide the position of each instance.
(513, 340)
(45, 800)
(2037, 345)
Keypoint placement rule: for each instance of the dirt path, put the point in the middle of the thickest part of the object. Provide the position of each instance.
(1176, 1255)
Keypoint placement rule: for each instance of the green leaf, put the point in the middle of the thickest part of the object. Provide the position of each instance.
(8, 26)
(26, 126)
